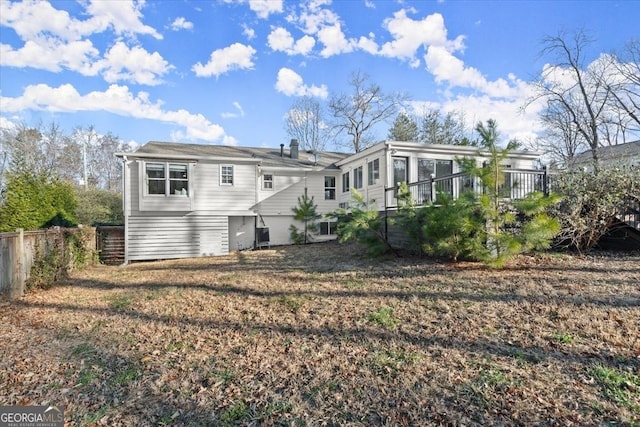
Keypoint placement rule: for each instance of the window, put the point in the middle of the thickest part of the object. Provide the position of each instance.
(426, 168)
(155, 178)
(178, 182)
(400, 172)
(267, 181)
(328, 228)
(444, 167)
(329, 187)
(345, 182)
(373, 169)
(357, 177)
(226, 175)
(173, 183)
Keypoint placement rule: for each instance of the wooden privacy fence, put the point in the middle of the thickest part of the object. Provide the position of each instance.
(21, 250)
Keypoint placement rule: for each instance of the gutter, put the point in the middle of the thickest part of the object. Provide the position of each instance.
(125, 207)
(158, 156)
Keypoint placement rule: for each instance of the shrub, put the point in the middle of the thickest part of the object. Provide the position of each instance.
(362, 223)
(454, 228)
(591, 202)
(99, 206)
(34, 201)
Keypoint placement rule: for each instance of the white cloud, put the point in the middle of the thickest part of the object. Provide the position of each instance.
(281, 40)
(264, 8)
(368, 44)
(181, 23)
(249, 32)
(290, 83)
(117, 100)
(409, 35)
(55, 41)
(233, 115)
(52, 55)
(447, 68)
(334, 41)
(35, 19)
(136, 65)
(123, 16)
(234, 57)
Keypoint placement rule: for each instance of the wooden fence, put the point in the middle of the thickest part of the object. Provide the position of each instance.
(110, 244)
(21, 250)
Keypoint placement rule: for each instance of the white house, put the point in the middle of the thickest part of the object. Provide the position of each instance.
(188, 200)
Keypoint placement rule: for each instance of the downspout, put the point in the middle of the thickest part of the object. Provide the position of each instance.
(384, 189)
(126, 210)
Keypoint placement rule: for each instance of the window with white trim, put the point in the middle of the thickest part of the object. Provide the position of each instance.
(226, 174)
(167, 179)
(357, 177)
(329, 187)
(345, 182)
(328, 228)
(373, 170)
(267, 181)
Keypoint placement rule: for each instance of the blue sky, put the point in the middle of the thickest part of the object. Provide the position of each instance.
(226, 72)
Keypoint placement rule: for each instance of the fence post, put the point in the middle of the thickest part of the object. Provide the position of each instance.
(545, 180)
(432, 186)
(19, 274)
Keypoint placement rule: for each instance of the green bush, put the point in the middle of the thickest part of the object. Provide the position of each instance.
(362, 223)
(454, 228)
(34, 201)
(97, 206)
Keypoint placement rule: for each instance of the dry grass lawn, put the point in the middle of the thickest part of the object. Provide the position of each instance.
(319, 335)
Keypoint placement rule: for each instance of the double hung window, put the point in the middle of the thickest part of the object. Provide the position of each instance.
(329, 187)
(226, 175)
(167, 179)
(357, 177)
(345, 182)
(267, 181)
(373, 170)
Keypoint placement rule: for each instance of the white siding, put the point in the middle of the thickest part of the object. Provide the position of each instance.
(241, 232)
(212, 196)
(167, 236)
(279, 233)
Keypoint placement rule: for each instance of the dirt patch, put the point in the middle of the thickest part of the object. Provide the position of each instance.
(320, 335)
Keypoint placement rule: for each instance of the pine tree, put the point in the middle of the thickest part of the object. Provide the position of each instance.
(404, 128)
(306, 212)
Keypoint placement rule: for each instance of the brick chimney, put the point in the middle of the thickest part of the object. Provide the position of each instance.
(293, 148)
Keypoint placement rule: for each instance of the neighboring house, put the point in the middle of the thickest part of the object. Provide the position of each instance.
(627, 154)
(187, 200)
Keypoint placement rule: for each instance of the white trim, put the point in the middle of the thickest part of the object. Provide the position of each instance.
(233, 175)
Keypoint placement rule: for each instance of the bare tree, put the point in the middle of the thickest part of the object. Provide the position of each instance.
(624, 84)
(592, 104)
(304, 122)
(560, 140)
(108, 166)
(568, 87)
(38, 149)
(358, 112)
(95, 156)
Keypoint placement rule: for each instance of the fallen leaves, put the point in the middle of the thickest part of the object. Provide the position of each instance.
(275, 336)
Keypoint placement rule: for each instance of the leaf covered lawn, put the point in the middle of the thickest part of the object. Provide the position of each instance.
(320, 335)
